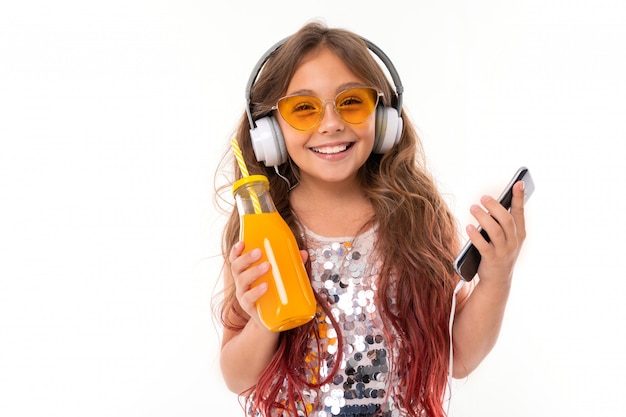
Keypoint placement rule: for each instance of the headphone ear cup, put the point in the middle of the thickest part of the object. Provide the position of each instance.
(268, 142)
(388, 129)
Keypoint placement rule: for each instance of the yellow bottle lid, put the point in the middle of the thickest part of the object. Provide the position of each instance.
(248, 180)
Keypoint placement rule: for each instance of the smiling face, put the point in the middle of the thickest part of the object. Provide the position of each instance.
(334, 149)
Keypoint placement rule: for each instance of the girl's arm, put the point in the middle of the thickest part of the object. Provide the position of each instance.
(477, 325)
(246, 353)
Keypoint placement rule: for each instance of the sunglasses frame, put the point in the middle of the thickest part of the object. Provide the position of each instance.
(379, 94)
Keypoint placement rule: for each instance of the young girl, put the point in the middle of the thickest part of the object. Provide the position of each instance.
(347, 174)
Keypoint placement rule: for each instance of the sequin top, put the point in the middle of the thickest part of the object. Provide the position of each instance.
(344, 271)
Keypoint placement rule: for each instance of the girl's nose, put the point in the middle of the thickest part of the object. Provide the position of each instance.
(331, 121)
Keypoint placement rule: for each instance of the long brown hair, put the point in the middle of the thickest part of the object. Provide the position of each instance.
(417, 239)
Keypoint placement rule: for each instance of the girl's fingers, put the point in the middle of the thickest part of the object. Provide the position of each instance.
(235, 251)
(517, 209)
(245, 273)
(249, 293)
(506, 231)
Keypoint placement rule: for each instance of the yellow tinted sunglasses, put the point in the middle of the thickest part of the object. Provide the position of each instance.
(304, 112)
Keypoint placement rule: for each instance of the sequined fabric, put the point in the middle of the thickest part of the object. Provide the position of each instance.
(344, 272)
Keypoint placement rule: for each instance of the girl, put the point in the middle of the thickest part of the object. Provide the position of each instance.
(378, 242)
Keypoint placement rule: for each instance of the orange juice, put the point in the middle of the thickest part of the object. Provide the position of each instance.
(289, 301)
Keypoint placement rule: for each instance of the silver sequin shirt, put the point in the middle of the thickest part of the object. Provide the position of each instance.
(344, 272)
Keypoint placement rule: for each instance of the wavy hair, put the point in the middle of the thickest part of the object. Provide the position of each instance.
(417, 264)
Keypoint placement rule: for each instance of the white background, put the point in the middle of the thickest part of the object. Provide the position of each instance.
(113, 116)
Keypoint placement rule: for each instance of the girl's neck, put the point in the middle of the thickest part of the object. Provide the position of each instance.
(332, 210)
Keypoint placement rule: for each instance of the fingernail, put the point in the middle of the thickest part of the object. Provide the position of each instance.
(256, 253)
(485, 199)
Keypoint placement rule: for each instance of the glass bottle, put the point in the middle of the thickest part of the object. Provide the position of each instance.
(289, 301)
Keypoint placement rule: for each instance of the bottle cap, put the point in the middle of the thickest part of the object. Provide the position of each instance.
(248, 180)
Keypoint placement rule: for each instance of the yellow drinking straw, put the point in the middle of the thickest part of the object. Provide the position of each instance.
(244, 171)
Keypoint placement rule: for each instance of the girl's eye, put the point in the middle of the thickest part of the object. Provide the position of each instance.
(304, 106)
(350, 101)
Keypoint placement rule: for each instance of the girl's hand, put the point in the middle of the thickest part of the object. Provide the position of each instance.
(245, 274)
(506, 231)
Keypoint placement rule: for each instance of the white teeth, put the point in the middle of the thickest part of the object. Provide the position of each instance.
(331, 149)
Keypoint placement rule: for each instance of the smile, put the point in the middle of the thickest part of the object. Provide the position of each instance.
(329, 150)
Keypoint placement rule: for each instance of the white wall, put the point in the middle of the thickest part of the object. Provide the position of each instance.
(113, 115)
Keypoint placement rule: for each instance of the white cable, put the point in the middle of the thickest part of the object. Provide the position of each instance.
(451, 362)
(289, 186)
(281, 176)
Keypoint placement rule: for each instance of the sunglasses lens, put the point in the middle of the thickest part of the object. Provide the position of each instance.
(357, 104)
(301, 112)
(304, 112)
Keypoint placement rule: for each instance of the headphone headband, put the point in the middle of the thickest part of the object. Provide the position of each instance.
(370, 45)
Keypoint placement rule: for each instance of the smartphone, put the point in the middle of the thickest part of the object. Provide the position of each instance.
(466, 264)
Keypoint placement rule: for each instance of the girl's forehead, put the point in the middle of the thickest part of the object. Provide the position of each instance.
(322, 71)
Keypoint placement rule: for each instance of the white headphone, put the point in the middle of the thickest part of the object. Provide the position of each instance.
(267, 138)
